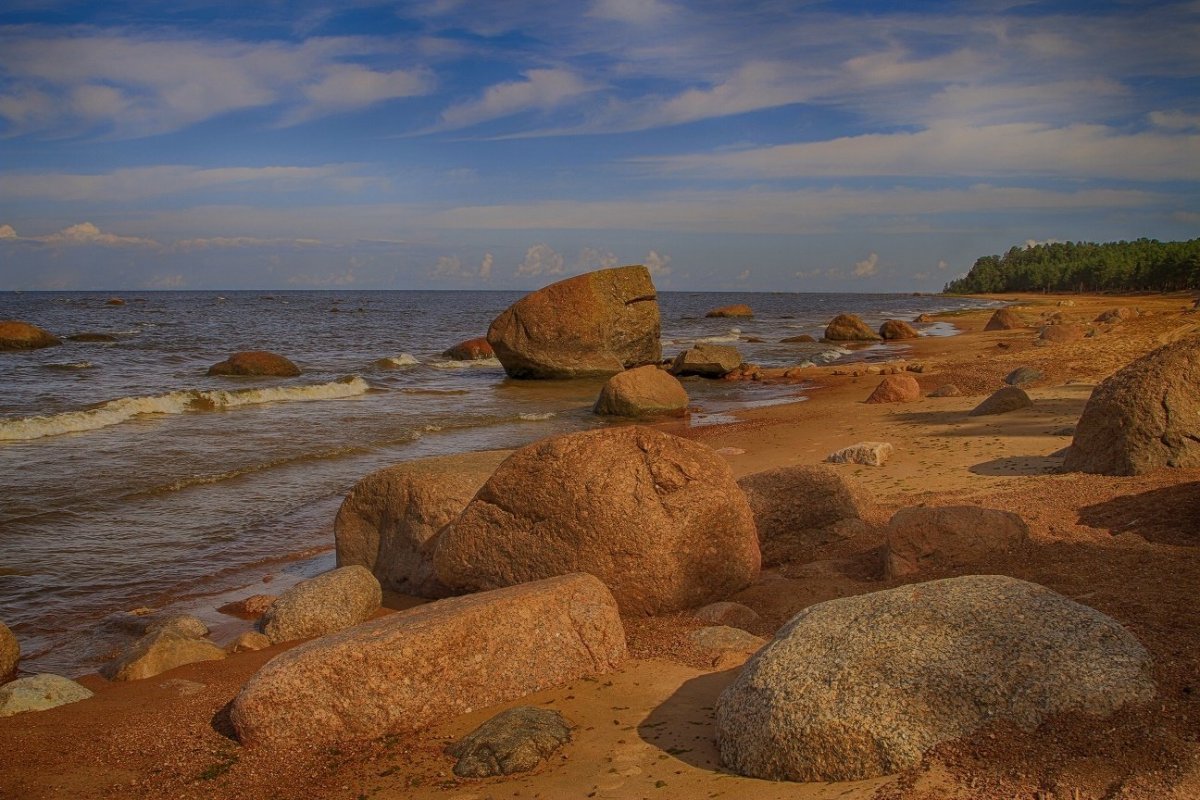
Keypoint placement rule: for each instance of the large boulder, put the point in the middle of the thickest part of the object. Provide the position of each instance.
(897, 329)
(516, 740)
(10, 653)
(658, 518)
(849, 328)
(800, 508)
(255, 363)
(158, 652)
(896, 389)
(38, 693)
(598, 323)
(736, 310)
(951, 537)
(390, 519)
(707, 360)
(407, 670)
(329, 602)
(1144, 417)
(1004, 320)
(1002, 401)
(471, 350)
(642, 392)
(860, 687)
(17, 335)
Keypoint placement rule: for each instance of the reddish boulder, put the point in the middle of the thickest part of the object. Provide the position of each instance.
(738, 310)
(476, 349)
(1004, 320)
(17, 335)
(849, 328)
(10, 653)
(896, 389)
(598, 323)
(389, 521)
(1144, 417)
(256, 363)
(707, 360)
(408, 670)
(1062, 334)
(327, 603)
(1002, 401)
(642, 392)
(803, 338)
(953, 537)
(897, 329)
(658, 518)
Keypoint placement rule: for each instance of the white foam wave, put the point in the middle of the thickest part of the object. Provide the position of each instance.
(477, 362)
(537, 417)
(70, 365)
(734, 335)
(114, 412)
(394, 362)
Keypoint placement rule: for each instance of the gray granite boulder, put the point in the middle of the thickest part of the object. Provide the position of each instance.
(860, 687)
(1002, 401)
(39, 692)
(158, 652)
(516, 740)
(324, 604)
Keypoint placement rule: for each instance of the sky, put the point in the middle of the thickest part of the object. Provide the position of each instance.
(755, 145)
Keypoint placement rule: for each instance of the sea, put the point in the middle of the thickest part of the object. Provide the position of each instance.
(129, 479)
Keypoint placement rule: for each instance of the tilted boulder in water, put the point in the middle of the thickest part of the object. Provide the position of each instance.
(659, 519)
(256, 363)
(390, 519)
(800, 508)
(861, 687)
(849, 328)
(737, 310)
(598, 323)
(707, 360)
(10, 653)
(17, 335)
(471, 350)
(329, 602)
(1144, 417)
(408, 670)
(642, 392)
(897, 329)
(949, 537)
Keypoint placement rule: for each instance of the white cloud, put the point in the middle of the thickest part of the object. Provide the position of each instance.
(485, 267)
(633, 12)
(350, 86)
(220, 242)
(541, 89)
(942, 265)
(591, 259)
(448, 267)
(657, 263)
(7, 232)
(867, 267)
(85, 233)
(540, 259)
(1175, 120)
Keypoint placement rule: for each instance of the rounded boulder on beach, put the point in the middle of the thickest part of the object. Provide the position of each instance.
(849, 328)
(658, 518)
(256, 363)
(642, 392)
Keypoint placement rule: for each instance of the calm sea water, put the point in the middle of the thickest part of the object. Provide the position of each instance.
(129, 478)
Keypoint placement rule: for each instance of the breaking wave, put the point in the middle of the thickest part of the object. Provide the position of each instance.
(396, 362)
(478, 362)
(114, 412)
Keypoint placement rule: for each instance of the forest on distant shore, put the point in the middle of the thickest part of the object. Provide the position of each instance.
(1141, 265)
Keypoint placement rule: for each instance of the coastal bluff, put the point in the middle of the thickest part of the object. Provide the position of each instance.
(598, 323)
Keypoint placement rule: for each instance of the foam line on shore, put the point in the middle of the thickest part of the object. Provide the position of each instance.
(114, 412)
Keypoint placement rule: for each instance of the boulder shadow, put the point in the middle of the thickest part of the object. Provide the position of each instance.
(1019, 465)
(222, 723)
(684, 725)
(1162, 516)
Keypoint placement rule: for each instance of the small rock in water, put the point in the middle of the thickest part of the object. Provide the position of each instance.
(10, 653)
(872, 454)
(516, 740)
(39, 692)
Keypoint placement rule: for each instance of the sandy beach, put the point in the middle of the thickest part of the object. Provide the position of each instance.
(1122, 545)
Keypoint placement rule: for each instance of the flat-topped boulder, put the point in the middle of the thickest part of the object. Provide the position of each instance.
(390, 518)
(516, 740)
(921, 538)
(860, 687)
(1004, 319)
(896, 389)
(849, 328)
(642, 392)
(897, 329)
(707, 360)
(17, 335)
(329, 602)
(1144, 417)
(736, 310)
(598, 323)
(800, 508)
(38, 693)
(255, 363)
(158, 652)
(407, 670)
(10, 653)
(871, 454)
(476, 349)
(658, 518)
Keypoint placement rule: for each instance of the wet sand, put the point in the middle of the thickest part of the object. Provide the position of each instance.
(1123, 545)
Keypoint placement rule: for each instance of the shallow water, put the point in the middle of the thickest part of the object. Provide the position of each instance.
(129, 478)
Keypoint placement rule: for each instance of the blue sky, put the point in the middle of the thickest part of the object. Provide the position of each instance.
(782, 146)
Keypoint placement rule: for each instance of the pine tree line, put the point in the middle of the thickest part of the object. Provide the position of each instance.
(1141, 265)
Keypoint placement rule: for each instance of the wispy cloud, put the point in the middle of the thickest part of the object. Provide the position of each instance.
(538, 90)
(83, 233)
